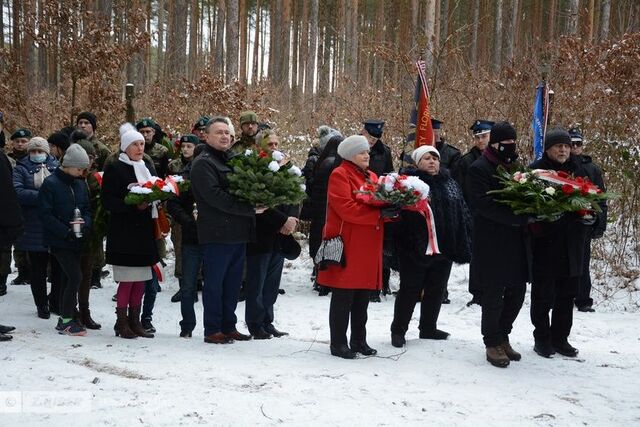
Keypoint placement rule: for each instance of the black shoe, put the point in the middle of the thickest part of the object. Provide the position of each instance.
(343, 351)
(565, 349)
(474, 300)
(177, 296)
(446, 300)
(386, 290)
(20, 280)
(104, 273)
(147, 326)
(6, 329)
(586, 309)
(95, 279)
(398, 340)
(273, 331)
(59, 326)
(43, 312)
(363, 348)
(544, 348)
(5, 337)
(323, 291)
(375, 296)
(185, 334)
(281, 291)
(434, 335)
(259, 334)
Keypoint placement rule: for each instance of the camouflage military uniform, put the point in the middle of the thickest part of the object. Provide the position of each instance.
(243, 143)
(102, 153)
(160, 156)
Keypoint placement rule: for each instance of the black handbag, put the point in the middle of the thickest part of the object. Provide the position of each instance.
(331, 251)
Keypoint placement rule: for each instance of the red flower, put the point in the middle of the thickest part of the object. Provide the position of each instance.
(584, 188)
(148, 184)
(583, 212)
(262, 154)
(579, 180)
(159, 183)
(563, 174)
(567, 189)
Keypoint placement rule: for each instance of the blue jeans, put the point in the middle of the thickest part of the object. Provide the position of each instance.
(263, 281)
(222, 264)
(191, 262)
(150, 292)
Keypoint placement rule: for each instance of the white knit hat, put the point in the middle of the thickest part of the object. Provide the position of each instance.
(417, 154)
(129, 135)
(38, 143)
(352, 145)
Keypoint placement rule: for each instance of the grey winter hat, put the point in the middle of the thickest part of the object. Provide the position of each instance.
(325, 133)
(38, 143)
(75, 157)
(352, 145)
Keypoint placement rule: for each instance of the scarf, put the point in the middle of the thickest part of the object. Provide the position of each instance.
(142, 175)
(40, 175)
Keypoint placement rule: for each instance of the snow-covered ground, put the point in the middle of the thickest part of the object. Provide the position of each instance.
(49, 379)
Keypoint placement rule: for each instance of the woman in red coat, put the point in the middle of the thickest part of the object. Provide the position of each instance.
(361, 229)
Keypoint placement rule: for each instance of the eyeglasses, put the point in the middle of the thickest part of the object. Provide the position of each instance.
(576, 143)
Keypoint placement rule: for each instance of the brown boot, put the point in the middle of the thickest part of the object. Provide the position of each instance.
(510, 352)
(87, 321)
(122, 324)
(136, 325)
(497, 357)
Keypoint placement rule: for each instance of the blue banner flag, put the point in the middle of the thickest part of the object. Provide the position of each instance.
(538, 124)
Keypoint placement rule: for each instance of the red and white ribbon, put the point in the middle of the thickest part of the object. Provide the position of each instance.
(432, 243)
(157, 269)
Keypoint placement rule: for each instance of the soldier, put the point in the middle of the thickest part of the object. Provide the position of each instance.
(583, 301)
(199, 129)
(87, 123)
(380, 162)
(161, 137)
(249, 127)
(176, 167)
(158, 153)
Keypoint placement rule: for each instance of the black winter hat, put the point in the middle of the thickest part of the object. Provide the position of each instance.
(90, 117)
(556, 136)
(21, 133)
(502, 131)
(60, 140)
(77, 135)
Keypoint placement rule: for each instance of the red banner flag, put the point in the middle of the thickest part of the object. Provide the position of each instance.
(421, 115)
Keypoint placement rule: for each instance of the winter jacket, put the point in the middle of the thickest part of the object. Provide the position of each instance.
(268, 225)
(222, 218)
(558, 246)
(462, 168)
(11, 220)
(58, 198)
(27, 193)
(177, 166)
(595, 175)
(181, 210)
(360, 227)
(451, 216)
(380, 161)
(102, 152)
(308, 174)
(318, 214)
(449, 155)
(130, 231)
(243, 143)
(160, 156)
(500, 245)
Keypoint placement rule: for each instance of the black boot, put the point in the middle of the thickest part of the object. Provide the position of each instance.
(20, 280)
(273, 331)
(43, 311)
(4, 329)
(5, 337)
(398, 340)
(375, 296)
(363, 348)
(564, 348)
(343, 351)
(3, 285)
(544, 348)
(95, 279)
(87, 321)
(177, 296)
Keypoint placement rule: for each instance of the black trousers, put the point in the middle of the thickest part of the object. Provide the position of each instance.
(38, 262)
(416, 277)
(583, 298)
(347, 303)
(56, 276)
(555, 295)
(71, 277)
(500, 307)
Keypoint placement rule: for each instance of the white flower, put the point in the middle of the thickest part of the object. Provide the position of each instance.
(274, 166)
(140, 190)
(413, 183)
(550, 191)
(177, 178)
(303, 187)
(248, 152)
(277, 156)
(522, 180)
(168, 189)
(294, 170)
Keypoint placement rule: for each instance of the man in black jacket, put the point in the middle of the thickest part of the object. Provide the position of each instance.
(584, 302)
(225, 225)
(380, 162)
(499, 246)
(558, 258)
(11, 221)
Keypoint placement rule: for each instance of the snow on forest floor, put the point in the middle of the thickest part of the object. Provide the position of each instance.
(49, 379)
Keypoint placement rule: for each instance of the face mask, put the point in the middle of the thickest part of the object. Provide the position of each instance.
(38, 158)
(507, 152)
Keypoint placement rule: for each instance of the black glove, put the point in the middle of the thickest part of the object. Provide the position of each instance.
(392, 211)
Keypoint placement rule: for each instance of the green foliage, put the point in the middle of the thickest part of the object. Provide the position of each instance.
(255, 183)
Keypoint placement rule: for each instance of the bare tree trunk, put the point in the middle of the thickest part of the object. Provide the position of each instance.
(430, 32)
(313, 36)
(444, 23)
(177, 40)
(160, 61)
(1, 26)
(378, 61)
(552, 20)
(243, 20)
(605, 17)
(220, 37)
(264, 46)
(274, 40)
(232, 40)
(285, 45)
(591, 16)
(28, 45)
(294, 48)
(138, 60)
(304, 45)
(256, 45)
(497, 38)
(193, 39)
(571, 27)
(16, 10)
(511, 31)
(44, 45)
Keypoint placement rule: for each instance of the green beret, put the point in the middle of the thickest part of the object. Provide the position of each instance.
(21, 133)
(189, 138)
(202, 122)
(147, 122)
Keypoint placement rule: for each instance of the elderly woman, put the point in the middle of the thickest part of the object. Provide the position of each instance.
(361, 228)
(28, 176)
(421, 273)
(131, 246)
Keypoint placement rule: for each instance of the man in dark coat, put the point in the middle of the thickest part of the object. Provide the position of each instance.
(584, 302)
(225, 225)
(558, 258)
(11, 224)
(499, 246)
(380, 162)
